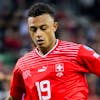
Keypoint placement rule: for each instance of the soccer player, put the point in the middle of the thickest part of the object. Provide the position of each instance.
(55, 69)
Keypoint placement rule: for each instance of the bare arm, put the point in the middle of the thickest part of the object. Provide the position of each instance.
(10, 98)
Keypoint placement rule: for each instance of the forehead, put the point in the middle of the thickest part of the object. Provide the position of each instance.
(40, 20)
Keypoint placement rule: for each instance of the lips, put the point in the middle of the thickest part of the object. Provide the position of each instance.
(39, 41)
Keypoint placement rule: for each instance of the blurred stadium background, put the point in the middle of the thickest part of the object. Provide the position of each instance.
(79, 21)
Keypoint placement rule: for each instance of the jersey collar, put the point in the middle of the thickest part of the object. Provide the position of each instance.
(48, 51)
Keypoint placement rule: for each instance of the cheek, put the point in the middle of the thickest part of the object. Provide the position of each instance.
(32, 36)
(50, 36)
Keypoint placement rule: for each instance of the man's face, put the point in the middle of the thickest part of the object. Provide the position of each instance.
(42, 30)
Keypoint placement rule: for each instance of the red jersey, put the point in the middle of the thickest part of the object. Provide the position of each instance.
(57, 75)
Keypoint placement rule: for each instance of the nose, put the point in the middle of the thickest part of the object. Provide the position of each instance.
(38, 33)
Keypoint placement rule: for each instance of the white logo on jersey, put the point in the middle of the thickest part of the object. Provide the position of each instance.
(26, 74)
(59, 68)
(44, 68)
(96, 55)
(88, 48)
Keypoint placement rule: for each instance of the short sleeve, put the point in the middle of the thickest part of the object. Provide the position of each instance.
(88, 58)
(17, 87)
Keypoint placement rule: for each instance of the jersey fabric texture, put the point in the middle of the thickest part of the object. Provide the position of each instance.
(57, 75)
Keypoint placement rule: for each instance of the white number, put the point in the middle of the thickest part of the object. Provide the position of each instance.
(43, 87)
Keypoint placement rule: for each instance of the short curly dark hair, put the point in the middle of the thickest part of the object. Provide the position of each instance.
(41, 8)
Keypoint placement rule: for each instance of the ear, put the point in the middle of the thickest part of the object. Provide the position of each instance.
(55, 26)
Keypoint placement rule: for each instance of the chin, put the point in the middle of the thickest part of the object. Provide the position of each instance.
(41, 46)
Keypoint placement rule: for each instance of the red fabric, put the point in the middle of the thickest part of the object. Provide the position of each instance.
(58, 75)
(90, 59)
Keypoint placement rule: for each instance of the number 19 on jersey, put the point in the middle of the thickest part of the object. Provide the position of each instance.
(43, 87)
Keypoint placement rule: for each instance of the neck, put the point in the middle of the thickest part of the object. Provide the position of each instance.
(44, 50)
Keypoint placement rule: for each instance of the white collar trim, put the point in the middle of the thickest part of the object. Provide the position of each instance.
(48, 51)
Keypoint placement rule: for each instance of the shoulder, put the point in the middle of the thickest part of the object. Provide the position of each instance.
(24, 59)
(28, 55)
(68, 44)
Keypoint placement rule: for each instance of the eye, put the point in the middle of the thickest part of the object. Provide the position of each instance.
(33, 29)
(43, 27)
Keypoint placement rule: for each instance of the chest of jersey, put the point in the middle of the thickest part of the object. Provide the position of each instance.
(57, 66)
(47, 78)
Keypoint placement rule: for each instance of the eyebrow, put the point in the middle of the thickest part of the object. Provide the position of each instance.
(38, 26)
(33, 27)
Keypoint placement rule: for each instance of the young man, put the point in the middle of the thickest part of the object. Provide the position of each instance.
(55, 69)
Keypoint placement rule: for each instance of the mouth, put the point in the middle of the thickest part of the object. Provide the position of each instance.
(39, 42)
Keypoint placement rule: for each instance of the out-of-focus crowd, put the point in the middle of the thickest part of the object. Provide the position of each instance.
(79, 21)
